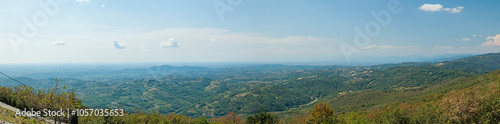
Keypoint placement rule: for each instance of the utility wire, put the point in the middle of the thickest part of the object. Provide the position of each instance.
(13, 79)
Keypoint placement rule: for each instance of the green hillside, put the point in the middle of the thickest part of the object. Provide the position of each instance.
(481, 63)
(285, 91)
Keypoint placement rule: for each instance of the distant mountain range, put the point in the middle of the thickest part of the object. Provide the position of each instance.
(445, 57)
(480, 63)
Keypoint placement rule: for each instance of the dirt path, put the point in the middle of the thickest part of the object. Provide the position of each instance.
(3, 122)
(6, 106)
(3, 105)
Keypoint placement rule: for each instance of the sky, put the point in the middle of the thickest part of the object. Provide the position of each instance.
(117, 31)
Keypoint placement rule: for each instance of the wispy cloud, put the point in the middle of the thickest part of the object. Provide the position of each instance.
(442, 47)
(118, 45)
(58, 43)
(169, 43)
(82, 0)
(143, 49)
(465, 39)
(388, 47)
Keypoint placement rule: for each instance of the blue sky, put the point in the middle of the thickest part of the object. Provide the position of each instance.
(109, 31)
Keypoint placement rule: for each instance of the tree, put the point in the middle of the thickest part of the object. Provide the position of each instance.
(230, 118)
(322, 114)
(300, 118)
(262, 117)
(462, 106)
(201, 120)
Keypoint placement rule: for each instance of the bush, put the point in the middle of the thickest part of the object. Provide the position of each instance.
(262, 117)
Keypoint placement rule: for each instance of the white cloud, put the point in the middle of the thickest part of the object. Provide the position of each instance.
(103, 5)
(490, 37)
(118, 45)
(474, 35)
(58, 43)
(493, 41)
(454, 10)
(431, 7)
(439, 7)
(465, 39)
(82, 0)
(170, 43)
(213, 40)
